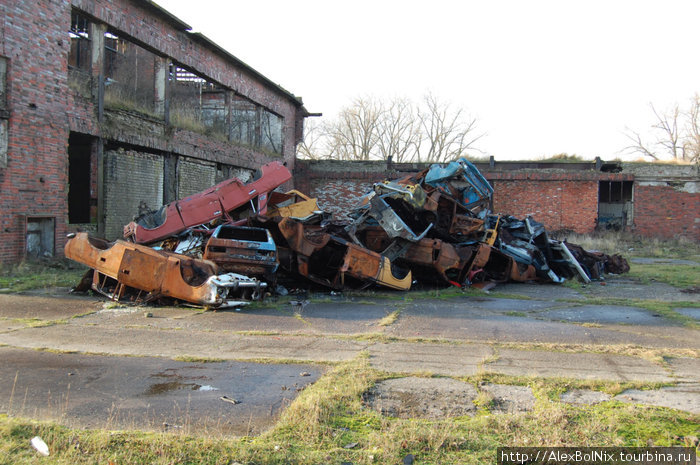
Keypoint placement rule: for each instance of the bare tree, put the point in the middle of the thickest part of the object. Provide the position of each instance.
(674, 135)
(399, 131)
(370, 128)
(355, 135)
(692, 130)
(312, 145)
(448, 132)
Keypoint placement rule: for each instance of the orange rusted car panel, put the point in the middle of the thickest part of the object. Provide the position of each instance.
(121, 266)
(433, 257)
(337, 263)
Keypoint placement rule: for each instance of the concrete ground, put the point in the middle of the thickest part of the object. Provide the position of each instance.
(543, 331)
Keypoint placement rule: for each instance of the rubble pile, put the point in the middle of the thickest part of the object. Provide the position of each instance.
(229, 244)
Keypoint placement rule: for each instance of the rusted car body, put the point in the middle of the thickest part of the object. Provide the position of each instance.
(230, 200)
(242, 249)
(124, 270)
(334, 262)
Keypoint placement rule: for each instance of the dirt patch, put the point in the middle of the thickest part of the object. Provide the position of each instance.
(509, 399)
(427, 398)
(584, 397)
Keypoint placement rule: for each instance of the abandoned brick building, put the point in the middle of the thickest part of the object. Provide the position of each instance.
(111, 107)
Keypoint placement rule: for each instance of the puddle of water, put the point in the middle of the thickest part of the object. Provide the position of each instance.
(162, 388)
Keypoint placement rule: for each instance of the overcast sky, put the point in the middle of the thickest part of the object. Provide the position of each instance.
(541, 77)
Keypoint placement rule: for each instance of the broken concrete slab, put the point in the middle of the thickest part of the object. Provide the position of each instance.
(147, 393)
(584, 397)
(46, 307)
(509, 399)
(608, 314)
(685, 368)
(346, 318)
(176, 343)
(685, 397)
(441, 359)
(425, 398)
(464, 320)
(576, 365)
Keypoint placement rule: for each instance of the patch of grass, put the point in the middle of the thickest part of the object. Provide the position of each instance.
(632, 245)
(40, 275)
(680, 276)
(522, 314)
(332, 414)
(35, 322)
(390, 319)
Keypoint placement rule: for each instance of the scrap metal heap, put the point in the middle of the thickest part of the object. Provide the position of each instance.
(215, 248)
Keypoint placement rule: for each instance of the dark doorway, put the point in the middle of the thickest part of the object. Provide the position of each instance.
(79, 169)
(615, 201)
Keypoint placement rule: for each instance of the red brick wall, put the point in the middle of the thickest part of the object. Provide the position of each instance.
(662, 211)
(34, 183)
(558, 204)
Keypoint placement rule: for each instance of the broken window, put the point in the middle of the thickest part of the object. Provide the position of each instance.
(244, 121)
(79, 57)
(271, 128)
(196, 103)
(614, 191)
(40, 237)
(80, 202)
(255, 126)
(129, 75)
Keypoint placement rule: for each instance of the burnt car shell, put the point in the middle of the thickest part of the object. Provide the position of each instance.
(334, 262)
(243, 249)
(126, 270)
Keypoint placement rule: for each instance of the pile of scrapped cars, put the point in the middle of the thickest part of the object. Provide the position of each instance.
(235, 242)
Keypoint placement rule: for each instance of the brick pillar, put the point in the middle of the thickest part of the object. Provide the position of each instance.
(162, 100)
(97, 38)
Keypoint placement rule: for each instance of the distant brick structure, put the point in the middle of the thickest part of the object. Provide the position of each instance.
(650, 199)
(108, 105)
